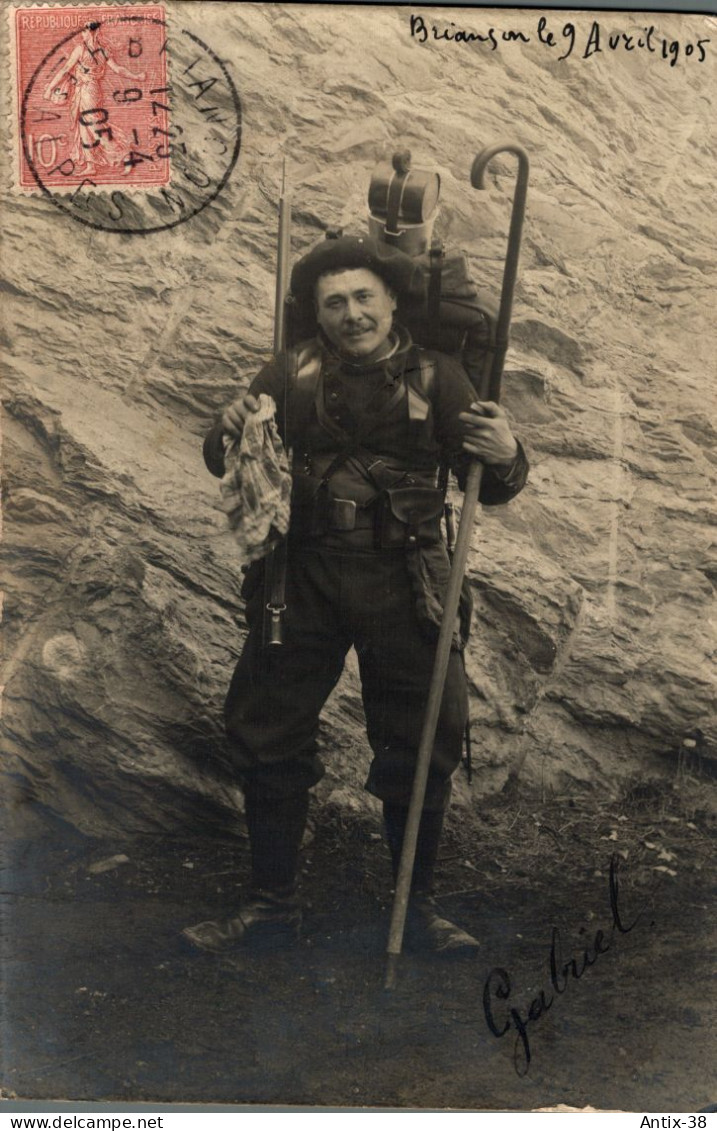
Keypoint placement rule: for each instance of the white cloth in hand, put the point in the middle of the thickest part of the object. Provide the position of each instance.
(256, 487)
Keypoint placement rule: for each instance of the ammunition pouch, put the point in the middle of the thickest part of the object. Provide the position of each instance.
(408, 516)
(315, 511)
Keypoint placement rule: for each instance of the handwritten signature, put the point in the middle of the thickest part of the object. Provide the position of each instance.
(501, 1016)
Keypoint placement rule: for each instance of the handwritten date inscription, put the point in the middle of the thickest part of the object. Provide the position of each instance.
(570, 41)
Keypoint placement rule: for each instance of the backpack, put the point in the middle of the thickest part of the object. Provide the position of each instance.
(458, 318)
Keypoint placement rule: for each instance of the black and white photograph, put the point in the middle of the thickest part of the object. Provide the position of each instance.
(358, 697)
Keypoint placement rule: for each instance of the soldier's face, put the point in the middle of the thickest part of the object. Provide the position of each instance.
(355, 310)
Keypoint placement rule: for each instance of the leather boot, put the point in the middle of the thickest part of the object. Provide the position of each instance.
(426, 929)
(266, 919)
(271, 915)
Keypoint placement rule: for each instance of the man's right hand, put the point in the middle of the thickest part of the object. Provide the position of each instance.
(235, 414)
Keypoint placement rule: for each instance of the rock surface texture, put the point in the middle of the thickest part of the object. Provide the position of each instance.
(590, 649)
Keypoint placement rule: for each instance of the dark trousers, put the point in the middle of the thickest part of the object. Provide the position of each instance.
(337, 599)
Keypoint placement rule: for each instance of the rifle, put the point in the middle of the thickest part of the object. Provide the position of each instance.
(275, 569)
(458, 566)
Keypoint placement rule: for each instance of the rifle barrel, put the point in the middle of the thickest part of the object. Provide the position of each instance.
(282, 268)
(275, 570)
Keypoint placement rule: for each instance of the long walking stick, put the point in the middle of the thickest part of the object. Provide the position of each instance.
(458, 566)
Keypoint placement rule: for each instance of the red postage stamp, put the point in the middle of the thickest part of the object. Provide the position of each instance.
(93, 104)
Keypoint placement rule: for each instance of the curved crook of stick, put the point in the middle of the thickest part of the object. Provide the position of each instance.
(511, 260)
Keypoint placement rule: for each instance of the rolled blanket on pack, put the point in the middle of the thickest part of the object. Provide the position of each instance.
(256, 487)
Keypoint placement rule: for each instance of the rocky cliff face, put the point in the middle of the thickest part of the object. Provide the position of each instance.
(590, 646)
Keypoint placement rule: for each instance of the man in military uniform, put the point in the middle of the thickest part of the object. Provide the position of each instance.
(369, 418)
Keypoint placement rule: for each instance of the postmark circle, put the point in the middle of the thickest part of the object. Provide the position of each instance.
(146, 156)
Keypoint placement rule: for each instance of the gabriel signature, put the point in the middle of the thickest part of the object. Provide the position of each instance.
(502, 1017)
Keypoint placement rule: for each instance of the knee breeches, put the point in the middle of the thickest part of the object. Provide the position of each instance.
(335, 600)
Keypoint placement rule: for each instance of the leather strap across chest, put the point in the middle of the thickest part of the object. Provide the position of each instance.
(414, 384)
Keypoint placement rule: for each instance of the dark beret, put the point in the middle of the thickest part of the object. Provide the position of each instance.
(397, 270)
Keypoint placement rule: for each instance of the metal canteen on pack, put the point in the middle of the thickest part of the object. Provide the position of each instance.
(403, 204)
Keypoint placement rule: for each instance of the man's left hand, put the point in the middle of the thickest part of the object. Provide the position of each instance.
(487, 434)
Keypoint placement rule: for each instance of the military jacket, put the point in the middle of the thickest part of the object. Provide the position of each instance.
(406, 413)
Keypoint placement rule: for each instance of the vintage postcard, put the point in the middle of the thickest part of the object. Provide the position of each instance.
(321, 324)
